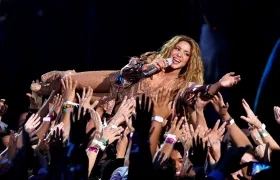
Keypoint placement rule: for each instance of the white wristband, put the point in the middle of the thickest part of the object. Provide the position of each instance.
(46, 118)
(230, 122)
(99, 144)
(263, 127)
(171, 136)
(157, 118)
(70, 103)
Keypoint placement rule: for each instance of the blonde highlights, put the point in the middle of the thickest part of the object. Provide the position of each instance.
(191, 73)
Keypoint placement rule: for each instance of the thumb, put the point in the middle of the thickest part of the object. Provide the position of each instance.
(245, 118)
(28, 95)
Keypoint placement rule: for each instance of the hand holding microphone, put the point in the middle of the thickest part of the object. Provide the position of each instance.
(131, 75)
(160, 64)
(156, 66)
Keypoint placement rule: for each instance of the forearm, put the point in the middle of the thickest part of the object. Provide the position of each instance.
(267, 138)
(201, 119)
(92, 155)
(238, 137)
(214, 88)
(156, 129)
(140, 158)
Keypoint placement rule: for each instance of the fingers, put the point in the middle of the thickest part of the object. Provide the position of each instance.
(95, 103)
(33, 120)
(29, 95)
(245, 104)
(124, 101)
(179, 124)
(191, 130)
(222, 127)
(68, 83)
(174, 122)
(161, 64)
(216, 125)
(79, 97)
(227, 105)
(245, 119)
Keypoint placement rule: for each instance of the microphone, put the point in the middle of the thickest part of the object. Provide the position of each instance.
(152, 70)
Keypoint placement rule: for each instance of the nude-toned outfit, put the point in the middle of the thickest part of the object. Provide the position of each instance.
(104, 82)
(118, 93)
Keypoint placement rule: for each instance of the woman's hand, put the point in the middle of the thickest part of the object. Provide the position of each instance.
(229, 80)
(160, 64)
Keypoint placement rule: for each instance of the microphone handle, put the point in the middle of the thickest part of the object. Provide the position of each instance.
(152, 70)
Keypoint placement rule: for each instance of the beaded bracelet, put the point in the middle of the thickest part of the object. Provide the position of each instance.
(264, 133)
(170, 139)
(94, 149)
(67, 110)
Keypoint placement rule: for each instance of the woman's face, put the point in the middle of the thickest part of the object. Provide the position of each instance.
(178, 160)
(180, 54)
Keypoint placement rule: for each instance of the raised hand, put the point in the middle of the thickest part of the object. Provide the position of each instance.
(97, 123)
(276, 110)
(56, 140)
(68, 88)
(186, 137)
(251, 117)
(56, 105)
(214, 138)
(198, 152)
(219, 105)
(56, 147)
(32, 123)
(110, 134)
(161, 103)
(229, 80)
(125, 110)
(176, 127)
(78, 123)
(84, 101)
(35, 100)
(200, 102)
(142, 122)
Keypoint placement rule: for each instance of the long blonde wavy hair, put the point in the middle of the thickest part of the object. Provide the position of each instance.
(192, 72)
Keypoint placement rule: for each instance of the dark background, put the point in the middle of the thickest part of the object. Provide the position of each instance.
(44, 35)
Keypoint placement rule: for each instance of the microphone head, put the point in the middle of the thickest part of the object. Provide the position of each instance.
(169, 61)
